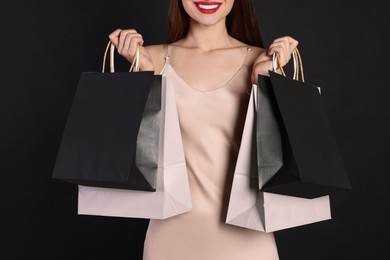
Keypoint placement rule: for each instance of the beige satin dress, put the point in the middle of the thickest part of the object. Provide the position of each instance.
(211, 125)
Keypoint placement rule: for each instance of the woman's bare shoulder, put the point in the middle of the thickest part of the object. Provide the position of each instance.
(157, 54)
(256, 51)
(157, 48)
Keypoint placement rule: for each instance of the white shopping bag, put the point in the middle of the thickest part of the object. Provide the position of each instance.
(262, 211)
(172, 195)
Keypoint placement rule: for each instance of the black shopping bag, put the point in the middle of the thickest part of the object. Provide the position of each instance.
(297, 151)
(111, 135)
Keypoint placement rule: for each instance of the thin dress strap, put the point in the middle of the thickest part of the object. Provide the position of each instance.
(248, 49)
(166, 58)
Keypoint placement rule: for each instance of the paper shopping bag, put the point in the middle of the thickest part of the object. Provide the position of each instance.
(310, 163)
(172, 195)
(112, 133)
(253, 209)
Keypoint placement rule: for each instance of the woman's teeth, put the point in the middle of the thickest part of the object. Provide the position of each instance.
(208, 7)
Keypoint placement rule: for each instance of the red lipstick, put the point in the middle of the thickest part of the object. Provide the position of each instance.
(207, 7)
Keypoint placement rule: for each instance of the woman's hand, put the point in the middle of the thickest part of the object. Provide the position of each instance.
(284, 46)
(126, 42)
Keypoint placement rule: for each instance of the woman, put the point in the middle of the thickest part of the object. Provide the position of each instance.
(213, 57)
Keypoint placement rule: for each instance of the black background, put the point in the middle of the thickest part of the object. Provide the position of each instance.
(45, 45)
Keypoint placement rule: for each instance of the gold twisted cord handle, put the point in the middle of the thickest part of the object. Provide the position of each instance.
(299, 67)
(105, 58)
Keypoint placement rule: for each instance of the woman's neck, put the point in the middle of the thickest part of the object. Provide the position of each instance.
(207, 37)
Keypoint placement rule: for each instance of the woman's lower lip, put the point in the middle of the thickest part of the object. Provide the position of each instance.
(212, 7)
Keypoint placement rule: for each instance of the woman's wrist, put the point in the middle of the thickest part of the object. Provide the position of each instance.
(147, 67)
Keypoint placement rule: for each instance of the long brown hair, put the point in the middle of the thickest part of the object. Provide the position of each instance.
(241, 23)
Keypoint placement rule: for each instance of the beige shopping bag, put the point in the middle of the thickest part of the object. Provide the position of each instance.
(262, 211)
(172, 195)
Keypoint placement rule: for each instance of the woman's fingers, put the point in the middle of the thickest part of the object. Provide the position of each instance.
(126, 38)
(130, 44)
(284, 46)
(284, 56)
(126, 42)
(282, 43)
(288, 40)
(122, 39)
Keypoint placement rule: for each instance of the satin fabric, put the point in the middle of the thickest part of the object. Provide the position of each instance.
(211, 124)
